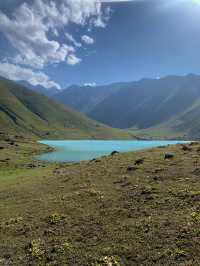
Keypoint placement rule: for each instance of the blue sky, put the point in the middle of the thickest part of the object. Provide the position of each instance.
(63, 42)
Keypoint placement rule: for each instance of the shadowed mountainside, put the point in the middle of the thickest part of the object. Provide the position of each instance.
(169, 104)
(39, 89)
(85, 98)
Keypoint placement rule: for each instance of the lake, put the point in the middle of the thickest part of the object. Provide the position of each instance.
(80, 150)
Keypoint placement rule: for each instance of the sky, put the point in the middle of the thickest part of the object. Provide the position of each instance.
(56, 43)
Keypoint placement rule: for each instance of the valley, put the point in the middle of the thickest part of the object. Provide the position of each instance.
(159, 108)
(134, 208)
(99, 133)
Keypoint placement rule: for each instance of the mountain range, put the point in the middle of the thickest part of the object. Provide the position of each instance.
(32, 114)
(39, 88)
(85, 98)
(169, 106)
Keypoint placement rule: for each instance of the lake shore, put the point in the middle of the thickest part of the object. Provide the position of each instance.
(85, 150)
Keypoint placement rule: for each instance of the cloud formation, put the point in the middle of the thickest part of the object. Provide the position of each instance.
(116, 1)
(35, 30)
(17, 73)
(87, 39)
(90, 84)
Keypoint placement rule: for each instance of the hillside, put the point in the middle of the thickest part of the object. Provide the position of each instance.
(184, 125)
(170, 104)
(149, 102)
(28, 113)
(39, 89)
(85, 98)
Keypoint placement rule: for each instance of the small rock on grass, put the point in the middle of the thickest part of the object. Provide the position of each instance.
(114, 152)
(168, 156)
(131, 168)
(186, 148)
(139, 161)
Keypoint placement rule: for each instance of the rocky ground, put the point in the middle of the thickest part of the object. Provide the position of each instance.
(138, 208)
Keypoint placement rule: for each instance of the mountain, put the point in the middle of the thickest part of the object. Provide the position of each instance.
(85, 98)
(40, 89)
(26, 112)
(162, 106)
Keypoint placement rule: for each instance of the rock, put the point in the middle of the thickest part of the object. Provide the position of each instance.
(196, 171)
(139, 161)
(1, 148)
(95, 160)
(145, 192)
(125, 184)
(193, 143)
(186, 148)
(168, 156)
(114, 152)
(157, 178)
(131, 168)
(31, 165)
(158, 170)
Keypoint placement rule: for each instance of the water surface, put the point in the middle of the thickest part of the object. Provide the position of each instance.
(80, 150)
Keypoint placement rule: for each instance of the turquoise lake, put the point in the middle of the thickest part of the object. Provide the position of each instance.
(80, 150)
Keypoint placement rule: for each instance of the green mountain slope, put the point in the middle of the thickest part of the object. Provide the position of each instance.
(184, 125)
(29, 113)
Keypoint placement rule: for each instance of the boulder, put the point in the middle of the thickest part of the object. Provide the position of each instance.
(168, 156)
(114, 152)
(139, 161)
(131, 168)
(186, 148)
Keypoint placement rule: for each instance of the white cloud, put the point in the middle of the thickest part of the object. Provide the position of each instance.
(86, 39)
(90, 84)
(72, 40)
(17, 73)
(30, 29)
(73, 59)
(36, 31)
(116, 1)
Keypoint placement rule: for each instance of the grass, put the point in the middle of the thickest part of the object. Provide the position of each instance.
(105, 212)
(160, 132)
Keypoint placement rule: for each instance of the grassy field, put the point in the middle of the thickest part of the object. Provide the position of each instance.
(136, 208)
